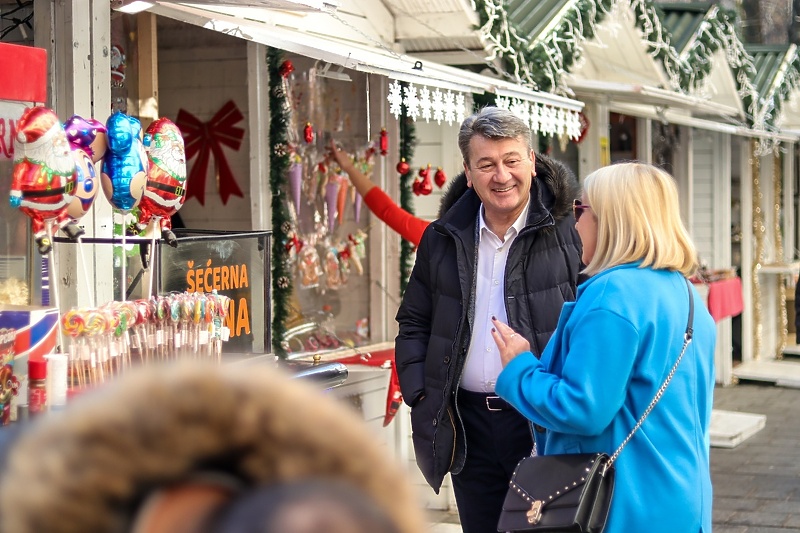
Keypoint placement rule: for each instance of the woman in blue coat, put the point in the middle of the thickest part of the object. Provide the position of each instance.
(613, 348)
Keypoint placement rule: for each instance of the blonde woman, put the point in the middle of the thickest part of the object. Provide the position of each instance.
(613, 349)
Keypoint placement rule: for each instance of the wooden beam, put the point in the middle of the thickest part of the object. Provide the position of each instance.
(147, 46)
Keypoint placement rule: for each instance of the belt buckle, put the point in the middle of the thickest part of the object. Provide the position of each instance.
(489, 407)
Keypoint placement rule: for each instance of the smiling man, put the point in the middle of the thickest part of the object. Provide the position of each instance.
(506, 247)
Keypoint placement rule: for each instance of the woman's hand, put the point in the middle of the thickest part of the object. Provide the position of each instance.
(509, 343)
(341, 157)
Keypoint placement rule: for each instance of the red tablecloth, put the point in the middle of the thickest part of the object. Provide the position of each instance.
(725, 298)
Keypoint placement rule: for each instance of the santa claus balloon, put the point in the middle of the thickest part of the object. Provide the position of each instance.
(166, 178)
(43, 182)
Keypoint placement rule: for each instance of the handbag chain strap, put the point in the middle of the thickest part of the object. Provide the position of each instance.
(687, 338)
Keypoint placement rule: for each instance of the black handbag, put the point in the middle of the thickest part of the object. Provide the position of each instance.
(571, 492)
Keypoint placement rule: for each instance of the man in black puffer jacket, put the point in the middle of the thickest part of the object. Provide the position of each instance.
(507, 247)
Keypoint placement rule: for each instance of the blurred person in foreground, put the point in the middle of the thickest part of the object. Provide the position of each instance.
(506, 247)
(613, 349)
(199, 448)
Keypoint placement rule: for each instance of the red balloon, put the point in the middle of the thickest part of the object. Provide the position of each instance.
(165, 192)
(43, 182)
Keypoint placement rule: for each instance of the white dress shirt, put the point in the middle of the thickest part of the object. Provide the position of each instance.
(483, 363)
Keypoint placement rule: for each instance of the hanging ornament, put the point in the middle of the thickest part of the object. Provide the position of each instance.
(308, 133)
(426, 186)
(403, 167)
(286, 69)
(440, 178)
(296, 181)
(384, 142)
(584, 127)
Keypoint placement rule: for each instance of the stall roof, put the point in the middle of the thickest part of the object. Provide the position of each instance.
(379, 58)
(777, 80)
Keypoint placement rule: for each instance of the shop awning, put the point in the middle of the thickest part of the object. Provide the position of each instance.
(378, 58)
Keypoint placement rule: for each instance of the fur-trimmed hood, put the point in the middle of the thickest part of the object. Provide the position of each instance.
(556, 177)
(81, 470)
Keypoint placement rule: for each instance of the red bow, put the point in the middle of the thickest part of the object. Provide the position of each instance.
(205, 139)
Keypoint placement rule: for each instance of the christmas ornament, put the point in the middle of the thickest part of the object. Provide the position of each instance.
(43, 179)
(403, 167)
(204, 139)
(426, 185)
(286, 69)
(384, 142)
(440, 178)
(165, 192)
(125, 163)
(308, 133)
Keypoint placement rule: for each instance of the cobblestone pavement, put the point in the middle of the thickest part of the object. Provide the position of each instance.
(757, 483)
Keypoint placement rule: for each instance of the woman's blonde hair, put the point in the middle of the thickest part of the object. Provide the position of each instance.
(638, 219)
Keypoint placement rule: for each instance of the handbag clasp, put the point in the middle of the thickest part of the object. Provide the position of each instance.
(535, 514)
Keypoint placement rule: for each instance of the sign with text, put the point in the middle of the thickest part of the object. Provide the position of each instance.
(235, 265)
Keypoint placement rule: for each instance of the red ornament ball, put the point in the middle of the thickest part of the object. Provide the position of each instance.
(285, 69)
(403, 167)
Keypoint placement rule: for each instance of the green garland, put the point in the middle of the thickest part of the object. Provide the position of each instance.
(407, 143)
(279, 165)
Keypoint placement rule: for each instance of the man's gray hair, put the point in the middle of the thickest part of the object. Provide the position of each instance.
(493, 123)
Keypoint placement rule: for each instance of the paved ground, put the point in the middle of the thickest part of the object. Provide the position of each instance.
(757, 483)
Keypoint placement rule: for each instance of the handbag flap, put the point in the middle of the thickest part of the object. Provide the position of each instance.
(556, 480)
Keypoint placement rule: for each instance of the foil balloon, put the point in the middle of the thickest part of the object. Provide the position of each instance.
(87, 138)
(88, 134)
(125, 163)
(165, 191)
(43, 181)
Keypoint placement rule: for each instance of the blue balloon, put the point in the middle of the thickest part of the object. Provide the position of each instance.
(125, 162)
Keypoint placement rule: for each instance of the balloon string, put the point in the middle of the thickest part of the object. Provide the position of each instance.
(54, 281)
(85, 272)
(124, 281)
(154, 222)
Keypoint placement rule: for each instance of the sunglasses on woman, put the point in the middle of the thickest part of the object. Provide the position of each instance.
(577, 209)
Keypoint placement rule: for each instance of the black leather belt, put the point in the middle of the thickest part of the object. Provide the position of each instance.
(68, 188)
(177, 191)
(488, 401)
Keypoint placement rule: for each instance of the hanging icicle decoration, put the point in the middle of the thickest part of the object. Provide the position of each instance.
(758, 260)
(777, 177)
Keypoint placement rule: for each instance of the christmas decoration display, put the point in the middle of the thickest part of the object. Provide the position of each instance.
(204, 139)
(43, 182)
(165, 192)
(125, 163)
(279, 70)
(440, 106)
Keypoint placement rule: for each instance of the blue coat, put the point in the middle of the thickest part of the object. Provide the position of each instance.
(611, 352)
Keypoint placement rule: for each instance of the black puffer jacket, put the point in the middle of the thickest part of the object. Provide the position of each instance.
(435, 327)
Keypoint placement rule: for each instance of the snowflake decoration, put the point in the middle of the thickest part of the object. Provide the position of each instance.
(395, 98)
(574, 126)
(548, 120)
(449, 107)
(437, 104)
(535, 118)
(411, 102)
(425, 103)
(460, 108)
